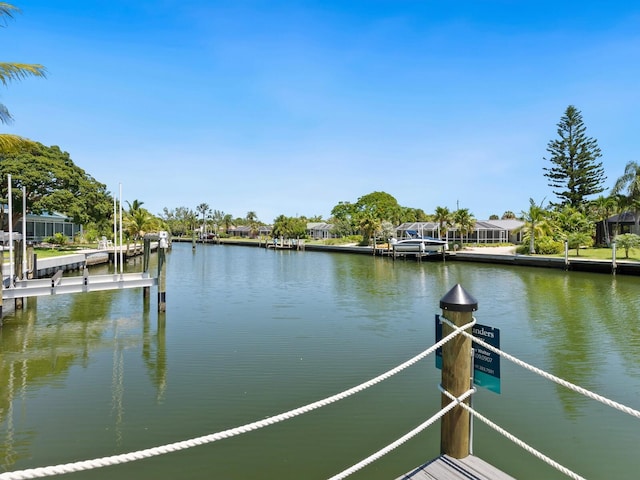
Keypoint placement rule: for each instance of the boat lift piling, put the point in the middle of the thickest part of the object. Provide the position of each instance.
(162, 271)
(146, 254)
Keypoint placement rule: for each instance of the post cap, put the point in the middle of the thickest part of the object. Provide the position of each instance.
(458, 300)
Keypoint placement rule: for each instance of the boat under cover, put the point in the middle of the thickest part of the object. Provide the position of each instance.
(419, 244)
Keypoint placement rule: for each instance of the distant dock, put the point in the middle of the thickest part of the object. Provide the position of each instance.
(622, 267)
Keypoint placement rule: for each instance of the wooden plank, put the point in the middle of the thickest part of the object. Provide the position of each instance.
(447, 468)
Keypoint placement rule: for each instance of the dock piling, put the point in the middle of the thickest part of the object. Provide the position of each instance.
(30, 256)
(162, 272)
(457, 307)
(146, 254)
(18, 270)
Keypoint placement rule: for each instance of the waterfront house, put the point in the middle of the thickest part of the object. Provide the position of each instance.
(485, 231)
(616, 225)
(490, 231)
(265, 230)
(499, 231)
(243, 231)
(320, 230)
(40, 227)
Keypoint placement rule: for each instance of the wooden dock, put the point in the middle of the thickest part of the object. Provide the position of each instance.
(447, 468)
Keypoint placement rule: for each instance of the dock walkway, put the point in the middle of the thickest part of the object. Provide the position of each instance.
(447, 468)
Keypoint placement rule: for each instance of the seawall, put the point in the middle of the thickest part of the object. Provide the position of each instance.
(479, 255)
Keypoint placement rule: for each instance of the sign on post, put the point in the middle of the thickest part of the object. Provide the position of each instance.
(486, 364)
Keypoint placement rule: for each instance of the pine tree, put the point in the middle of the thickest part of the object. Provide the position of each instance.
(575, 172)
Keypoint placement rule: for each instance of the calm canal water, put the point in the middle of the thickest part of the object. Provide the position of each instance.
(251, 333)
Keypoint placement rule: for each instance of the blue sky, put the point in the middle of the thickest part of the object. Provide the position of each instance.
(288, 107)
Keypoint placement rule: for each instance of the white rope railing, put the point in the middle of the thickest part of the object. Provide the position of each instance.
(408, 436)
(41, 472)
(553, 378)
(515, 439)
(548, 376)
(177, 446)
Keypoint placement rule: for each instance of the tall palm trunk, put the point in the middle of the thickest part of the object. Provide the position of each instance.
(532, 245)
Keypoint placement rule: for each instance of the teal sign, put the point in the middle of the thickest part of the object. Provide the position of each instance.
(486, 364)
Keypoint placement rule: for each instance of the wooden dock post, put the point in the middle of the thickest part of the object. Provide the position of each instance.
(162, 272)
(146, 253)
(457, 307)
(30, 255)
(34, 269)
(17, 270)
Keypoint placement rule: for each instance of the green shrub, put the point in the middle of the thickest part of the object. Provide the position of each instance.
(91, 235)
(627, 241)
(57, 239)
(548, 246)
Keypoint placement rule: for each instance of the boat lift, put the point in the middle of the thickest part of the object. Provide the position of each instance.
(77, 284)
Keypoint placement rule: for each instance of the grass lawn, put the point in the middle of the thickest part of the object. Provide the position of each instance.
(54, 252)
(605, 254)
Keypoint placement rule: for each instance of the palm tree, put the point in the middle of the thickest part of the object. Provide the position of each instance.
(253, 222)
(227, 220)
(191, 219)
(11, 72)
(138, 222)
(135, 205)
(204, 209)
(369, 225)
(603, 208)
(534, 219)
(464, 222)
(443, 218)
(629, 182)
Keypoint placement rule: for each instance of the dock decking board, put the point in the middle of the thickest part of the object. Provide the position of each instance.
(448, 468)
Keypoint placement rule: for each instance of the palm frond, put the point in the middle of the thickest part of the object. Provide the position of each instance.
(5, 116)
(19, 71)
(12, 143)
(7, 10)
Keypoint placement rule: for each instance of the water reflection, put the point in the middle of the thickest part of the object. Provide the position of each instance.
(42, 343)
(154, 351)
(583, 319)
